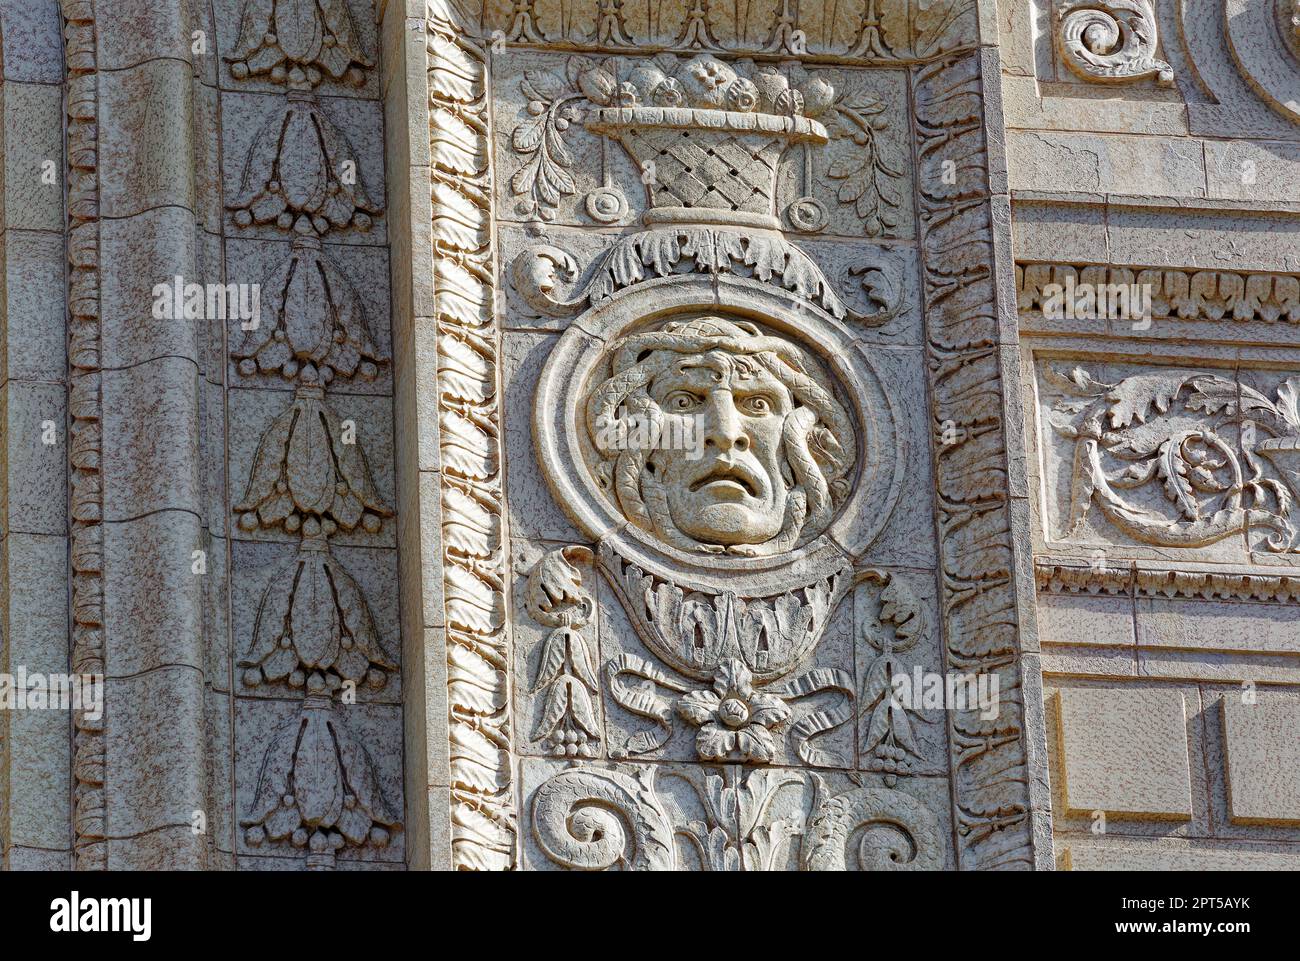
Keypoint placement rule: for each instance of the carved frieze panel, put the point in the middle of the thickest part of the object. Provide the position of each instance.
(637, 817)
(310, 447)
(856, 31)
(1192, 459)
(710, 279)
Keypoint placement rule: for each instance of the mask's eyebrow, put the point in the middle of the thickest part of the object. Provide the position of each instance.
(719, 367)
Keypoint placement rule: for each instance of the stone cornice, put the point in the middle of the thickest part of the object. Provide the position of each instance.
(1054, 577)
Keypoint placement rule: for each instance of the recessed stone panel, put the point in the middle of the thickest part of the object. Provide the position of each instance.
(1124, 752)
(1262, 755)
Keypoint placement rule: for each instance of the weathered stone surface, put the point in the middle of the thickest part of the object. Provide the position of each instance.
(657, 444)
(1124, 752)
(1260, 748)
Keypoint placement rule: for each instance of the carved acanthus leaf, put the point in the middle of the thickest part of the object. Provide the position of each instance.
(696, 631)
(770, 259)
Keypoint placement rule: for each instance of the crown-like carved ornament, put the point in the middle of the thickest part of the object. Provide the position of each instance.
(708, 138)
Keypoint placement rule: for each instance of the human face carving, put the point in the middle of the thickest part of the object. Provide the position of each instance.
(734, 492)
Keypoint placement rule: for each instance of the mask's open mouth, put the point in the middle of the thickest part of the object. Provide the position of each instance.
(727, 474)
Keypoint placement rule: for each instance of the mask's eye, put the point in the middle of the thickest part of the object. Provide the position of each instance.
(756, 405)
(681, 402)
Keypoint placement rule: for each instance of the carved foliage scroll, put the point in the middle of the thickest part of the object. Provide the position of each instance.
(1180, 458)
(975, 543)
(598, 819)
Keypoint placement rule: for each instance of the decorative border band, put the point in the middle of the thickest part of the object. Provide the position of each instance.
(85, 406)
(483, 828)
(978, 570)
(1181, 294)
(1055, 578)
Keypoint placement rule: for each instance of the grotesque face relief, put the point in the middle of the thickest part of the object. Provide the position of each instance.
(716, 436)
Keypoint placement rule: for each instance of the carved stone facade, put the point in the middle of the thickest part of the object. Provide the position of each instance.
(651, 436)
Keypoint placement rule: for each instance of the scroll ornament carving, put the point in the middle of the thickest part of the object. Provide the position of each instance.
(317, 789)
(1225, 457)
(298, 43)
(555, 597)
(596, 820)
(1111, 40)
(540, 273)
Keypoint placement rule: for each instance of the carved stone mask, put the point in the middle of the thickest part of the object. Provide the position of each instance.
(717, 436)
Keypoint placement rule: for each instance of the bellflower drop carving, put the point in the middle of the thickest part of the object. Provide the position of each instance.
(318, 789)
(302, 175)
(298, 43)
(889, 740)
(309, 467)
(314, 629)
(556, 597)
(313, 326)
